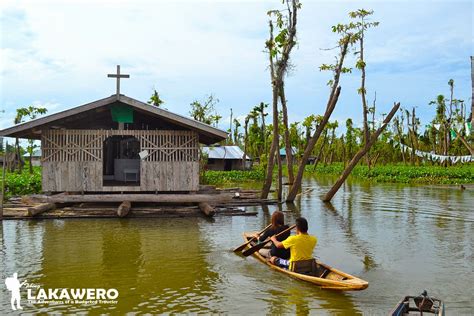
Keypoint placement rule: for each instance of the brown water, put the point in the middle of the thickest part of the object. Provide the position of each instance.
(402, 239)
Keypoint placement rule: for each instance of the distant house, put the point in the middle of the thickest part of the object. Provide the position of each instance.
(283, 153)
(35, 158)
(225, 158)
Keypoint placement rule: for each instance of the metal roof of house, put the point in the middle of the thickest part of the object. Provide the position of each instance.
(283, 151)
(36, 153)
(224, 152)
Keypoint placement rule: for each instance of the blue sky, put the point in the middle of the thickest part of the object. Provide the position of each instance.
(58, 53)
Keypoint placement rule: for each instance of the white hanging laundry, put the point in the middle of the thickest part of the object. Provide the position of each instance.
(437, 126)
(458, 126)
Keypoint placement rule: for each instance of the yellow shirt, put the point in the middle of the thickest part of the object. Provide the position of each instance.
(301, 246)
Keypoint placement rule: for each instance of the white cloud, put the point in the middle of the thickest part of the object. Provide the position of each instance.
(62, 51)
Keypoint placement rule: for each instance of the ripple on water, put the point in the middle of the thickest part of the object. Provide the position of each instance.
(402, 239)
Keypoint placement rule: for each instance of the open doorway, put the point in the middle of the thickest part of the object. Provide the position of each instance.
(121, 165)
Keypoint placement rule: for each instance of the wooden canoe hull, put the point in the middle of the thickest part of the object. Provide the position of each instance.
(334, 280)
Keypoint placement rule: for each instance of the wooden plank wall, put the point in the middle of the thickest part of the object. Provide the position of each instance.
(72, 160)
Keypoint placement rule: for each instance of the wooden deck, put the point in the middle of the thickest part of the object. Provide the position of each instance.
(223, 203)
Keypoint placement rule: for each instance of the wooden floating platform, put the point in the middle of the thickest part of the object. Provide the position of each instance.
(208, 202)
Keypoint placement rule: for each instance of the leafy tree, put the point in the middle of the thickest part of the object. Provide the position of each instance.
(204, 111)
(279, 48)
(155, 99)
(30, 112)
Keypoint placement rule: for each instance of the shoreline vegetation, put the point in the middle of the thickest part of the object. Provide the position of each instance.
(17, 184)
(391, 173)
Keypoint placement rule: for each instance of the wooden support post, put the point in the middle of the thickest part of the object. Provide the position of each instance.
(124, 208)
(38, 209)
(207, 209)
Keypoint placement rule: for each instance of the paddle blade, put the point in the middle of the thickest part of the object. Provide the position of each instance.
(242, 247)
(251, 250)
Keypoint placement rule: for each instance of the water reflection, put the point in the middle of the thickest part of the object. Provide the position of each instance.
(402, 239)
(359, 246)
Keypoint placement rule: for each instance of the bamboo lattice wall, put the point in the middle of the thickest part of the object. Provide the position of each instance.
(73, 160)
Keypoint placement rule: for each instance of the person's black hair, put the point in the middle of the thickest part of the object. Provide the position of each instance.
(302, 224)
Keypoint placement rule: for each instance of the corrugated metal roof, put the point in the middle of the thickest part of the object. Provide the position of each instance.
(224, 152)
(283, 151)
(36, 153)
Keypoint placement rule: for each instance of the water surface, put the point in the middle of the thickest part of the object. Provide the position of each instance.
(402, 239)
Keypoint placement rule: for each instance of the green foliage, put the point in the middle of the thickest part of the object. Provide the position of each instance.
(204, 111)
(220, 177)
(31, 112)
(403, 174)
(17, 184)
(155, 99)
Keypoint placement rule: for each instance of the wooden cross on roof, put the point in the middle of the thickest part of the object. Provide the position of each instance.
(118, 75)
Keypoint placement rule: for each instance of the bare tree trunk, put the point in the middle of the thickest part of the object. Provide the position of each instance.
(309, 148)
(466, 144)
(400, 136)
(472, 96)
(359, 155)
(18, 155)
(280, 176)
(414, 136)
(365, 109)
(271, 161)
(410, 138)
(244, 157)
(230, 128)
(263, 130)
(332, 101)
(31, 161)
(286, 135)
(277, 71)
(318, 158)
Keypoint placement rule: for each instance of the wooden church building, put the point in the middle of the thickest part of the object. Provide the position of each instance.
(118, 144)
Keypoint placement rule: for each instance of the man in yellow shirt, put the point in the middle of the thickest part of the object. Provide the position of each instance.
(301, 245)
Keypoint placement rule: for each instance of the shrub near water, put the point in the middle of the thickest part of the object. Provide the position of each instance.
(23, 183)
(404, 174)
(219, 177)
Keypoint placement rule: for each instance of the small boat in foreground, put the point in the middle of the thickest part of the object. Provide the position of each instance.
(417, 305)
(316, 272)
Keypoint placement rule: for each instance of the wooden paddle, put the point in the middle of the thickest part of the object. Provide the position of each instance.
(241, 247)
(259, 246)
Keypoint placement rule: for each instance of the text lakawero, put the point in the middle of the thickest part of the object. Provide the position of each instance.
(89, 294)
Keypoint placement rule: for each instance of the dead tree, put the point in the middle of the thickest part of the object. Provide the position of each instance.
(286, 136)
(279, 49)
(331, 105)
(472, 95)
(361, 153)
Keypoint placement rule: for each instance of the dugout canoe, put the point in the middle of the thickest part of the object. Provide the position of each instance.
(320, 274)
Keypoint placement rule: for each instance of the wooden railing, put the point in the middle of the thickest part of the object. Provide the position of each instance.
(87, 145)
